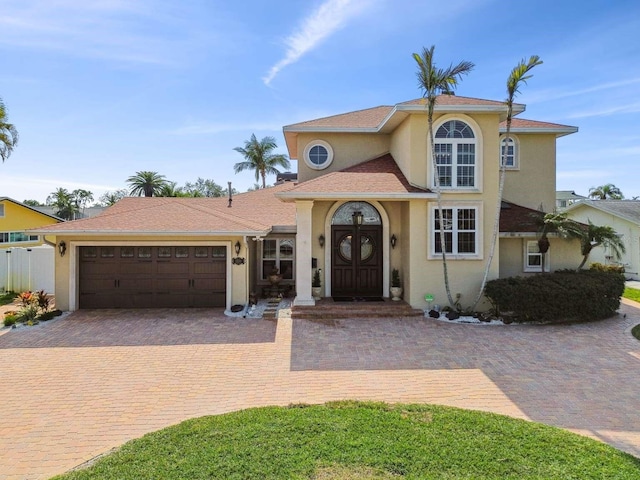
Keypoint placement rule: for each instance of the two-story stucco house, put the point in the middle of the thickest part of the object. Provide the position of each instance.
(363, 205)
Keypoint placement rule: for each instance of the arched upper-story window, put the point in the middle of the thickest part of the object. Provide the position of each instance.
(455, 146)
(510, 152)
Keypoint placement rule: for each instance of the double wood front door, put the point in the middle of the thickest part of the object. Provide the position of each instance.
(356, 260)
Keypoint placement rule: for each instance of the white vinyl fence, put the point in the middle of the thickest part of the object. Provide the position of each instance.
(24, 269)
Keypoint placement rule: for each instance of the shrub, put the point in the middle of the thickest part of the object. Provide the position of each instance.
(566, 295)
(10, 318)
(601, 267)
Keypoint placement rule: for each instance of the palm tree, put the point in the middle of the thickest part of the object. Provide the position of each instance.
(146, 183)
(8, 134)
(518, 76)
(171, 189)
(557, 223)
(63, 203)
(604, 192)
(81, 198)
(432, 81)
(594, 236)
(259, 157)
(110, 198)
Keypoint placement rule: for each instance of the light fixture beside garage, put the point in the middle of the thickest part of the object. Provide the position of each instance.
(62, 248)
(238, 260)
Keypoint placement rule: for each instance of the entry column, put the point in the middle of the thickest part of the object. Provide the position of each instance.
(303, 253)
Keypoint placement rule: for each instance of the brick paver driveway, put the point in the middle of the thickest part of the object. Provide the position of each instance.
(74, 388)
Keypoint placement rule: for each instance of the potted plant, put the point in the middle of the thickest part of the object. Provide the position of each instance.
(396, 289)
(316, 285)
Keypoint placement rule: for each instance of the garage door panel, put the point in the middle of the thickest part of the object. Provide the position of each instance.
(138, 268)
(173, 268)
(211, 268)
(147, 277)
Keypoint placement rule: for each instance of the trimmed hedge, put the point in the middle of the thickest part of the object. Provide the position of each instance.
(565, 295)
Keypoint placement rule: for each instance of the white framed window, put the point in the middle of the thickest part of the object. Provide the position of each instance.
(278, 253)
(533, 257)
(461, 227)
(510, 153)
(318, 155)
(456, 146)
(1, 209)
(17, 237)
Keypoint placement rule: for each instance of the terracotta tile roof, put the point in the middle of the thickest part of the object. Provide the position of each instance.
(448, 100)
(518, 219)
(255, 211)
(533, 125)
(368, 118)
(378, 177)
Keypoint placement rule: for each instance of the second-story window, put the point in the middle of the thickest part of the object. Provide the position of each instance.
(455, 149)
(509, 152)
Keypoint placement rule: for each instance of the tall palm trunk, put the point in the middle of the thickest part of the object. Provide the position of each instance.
(518, 75)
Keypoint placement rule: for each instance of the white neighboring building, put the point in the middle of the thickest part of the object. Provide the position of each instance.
(621, 215)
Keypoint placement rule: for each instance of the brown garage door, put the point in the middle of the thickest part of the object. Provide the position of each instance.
(151, 277)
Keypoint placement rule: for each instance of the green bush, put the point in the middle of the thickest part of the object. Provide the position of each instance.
(10, 320)
(566, 295)
(601, 267)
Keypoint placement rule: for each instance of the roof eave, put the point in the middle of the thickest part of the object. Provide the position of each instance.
(559, 132)
(152, 233)
(289, 196)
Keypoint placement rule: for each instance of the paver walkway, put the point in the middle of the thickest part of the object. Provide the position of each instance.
(76, 387)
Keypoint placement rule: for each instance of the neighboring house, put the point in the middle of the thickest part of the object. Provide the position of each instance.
(566, 198)
(83, 213)
(362, 206)
(621, 215)
(16, 218)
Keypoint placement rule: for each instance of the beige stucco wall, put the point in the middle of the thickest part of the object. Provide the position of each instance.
(534, 184)
(409, 149)
(562, 254)
(67, 267)
(630, 237)
(348, 149)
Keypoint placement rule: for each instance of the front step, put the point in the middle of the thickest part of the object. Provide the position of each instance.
(327, 309)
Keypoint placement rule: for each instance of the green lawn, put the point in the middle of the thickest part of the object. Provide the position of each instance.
(350, 440)
(632, 294)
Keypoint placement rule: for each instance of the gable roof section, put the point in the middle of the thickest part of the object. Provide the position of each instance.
(626, 209)
(522, 125)
(34, 209)
(385, 118)
(518, 219)
(380, 178)
(251, 213)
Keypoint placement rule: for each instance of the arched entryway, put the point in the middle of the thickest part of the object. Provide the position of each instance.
(356, 256)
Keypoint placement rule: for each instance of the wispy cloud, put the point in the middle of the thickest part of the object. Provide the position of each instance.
(607, 110)
(134, 32)
(552, 95)
(327, 19)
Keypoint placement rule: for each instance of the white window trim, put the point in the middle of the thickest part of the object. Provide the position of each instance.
(535, 268)
(29, 240)
(516, 151)
(479, 165)
(261, 278)
(478, 255)
(307, 150)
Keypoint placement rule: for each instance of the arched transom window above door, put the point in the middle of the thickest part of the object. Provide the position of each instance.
(456, 146)
(346, 214)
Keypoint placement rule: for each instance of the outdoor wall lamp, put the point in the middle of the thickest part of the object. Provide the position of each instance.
(237, 260)
(357, 218)
(394, 240)
(321, 240)
(62, 248)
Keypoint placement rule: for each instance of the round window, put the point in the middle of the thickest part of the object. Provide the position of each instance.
(318, 155)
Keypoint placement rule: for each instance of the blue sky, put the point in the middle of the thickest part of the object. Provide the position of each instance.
(101, 89)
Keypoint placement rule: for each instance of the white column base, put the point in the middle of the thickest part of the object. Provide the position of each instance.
(303, 301)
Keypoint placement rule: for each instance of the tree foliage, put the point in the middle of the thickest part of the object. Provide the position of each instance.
(260, 158)
(8, 134)
(606, 192)
(146, 183)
